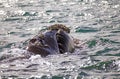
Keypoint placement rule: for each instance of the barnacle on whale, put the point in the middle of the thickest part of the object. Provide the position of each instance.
(59, 26)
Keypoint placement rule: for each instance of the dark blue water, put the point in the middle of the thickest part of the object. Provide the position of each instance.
(96, 23)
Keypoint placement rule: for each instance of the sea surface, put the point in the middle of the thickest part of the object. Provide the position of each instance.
(96, 23)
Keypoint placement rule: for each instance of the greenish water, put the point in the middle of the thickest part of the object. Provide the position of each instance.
(96, 23)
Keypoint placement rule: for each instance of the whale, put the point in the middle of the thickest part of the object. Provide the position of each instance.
(55, 40)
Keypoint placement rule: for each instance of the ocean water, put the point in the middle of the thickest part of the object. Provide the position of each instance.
(96, 23)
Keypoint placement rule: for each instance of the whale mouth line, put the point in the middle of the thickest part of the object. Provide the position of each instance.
(60, 41)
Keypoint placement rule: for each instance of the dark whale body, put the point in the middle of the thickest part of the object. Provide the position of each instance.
(55, 40)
